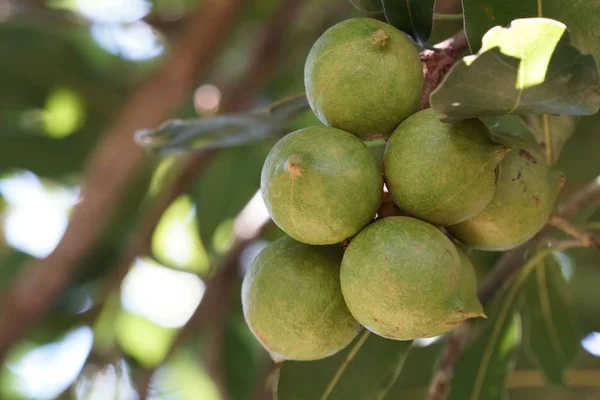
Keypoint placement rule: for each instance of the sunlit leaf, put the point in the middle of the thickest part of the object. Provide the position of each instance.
(527, 68)
(366, 370)
(581, 17)
(552, 131)
(413, 17)
(176, 241)
(64, 113)
(145, 341)
(226, 130)
(482, 370)
(552, 333)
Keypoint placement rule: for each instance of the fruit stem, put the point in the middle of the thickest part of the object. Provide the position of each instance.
(380, 39)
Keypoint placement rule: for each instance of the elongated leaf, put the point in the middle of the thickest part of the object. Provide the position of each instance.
(366, 370)
(222, 131)
(552, 333)
(582, 17)
(552, 131)
(225, 187)
(413, 17)
(527, 68)
(482, 370)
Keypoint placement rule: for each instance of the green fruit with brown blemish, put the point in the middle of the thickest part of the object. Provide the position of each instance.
(439, 172)
(526, 192)
(293, 304)
(401, 279)
(321, 185)
(370, 6)
(363, 76)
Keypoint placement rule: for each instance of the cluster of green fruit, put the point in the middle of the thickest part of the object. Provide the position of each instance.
(401, 277)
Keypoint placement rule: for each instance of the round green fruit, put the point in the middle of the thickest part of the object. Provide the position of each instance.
(363, 76)
(370, 6)
(321, 185)
(293, 304)
(439, 172)
(525, 196)
(401, 279)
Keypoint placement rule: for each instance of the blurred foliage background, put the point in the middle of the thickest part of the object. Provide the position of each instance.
(67, 70)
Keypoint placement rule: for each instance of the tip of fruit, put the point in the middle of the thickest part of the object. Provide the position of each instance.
(501, 152)
(380, 39)
(292, 165)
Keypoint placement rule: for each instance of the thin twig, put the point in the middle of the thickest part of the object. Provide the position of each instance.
(586, 238)
(111, 167)
(438, 61)
(509, 263)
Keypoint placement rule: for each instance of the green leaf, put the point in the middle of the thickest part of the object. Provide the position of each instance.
(482, 370)
(227, 130)
(229, 182)
(552, 333)
(413, 17)
(551, 131)
(527, 68)
(366, 369)
(582, 18)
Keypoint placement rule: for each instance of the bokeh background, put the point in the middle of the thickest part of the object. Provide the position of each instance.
(74, 75)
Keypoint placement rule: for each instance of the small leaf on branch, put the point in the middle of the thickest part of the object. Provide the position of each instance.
(552, 334)
(413, 17)
(482, 370)
(365, 370)
(551, 131)
(227, 130)
(527, 68)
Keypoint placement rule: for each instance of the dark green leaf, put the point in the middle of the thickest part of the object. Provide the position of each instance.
(482, 370)
(527, 68)
(222, 131)
(415, 378)
(552, 333)
(229, 182)
(552, 131)
(413, 17)
(582, 18)
(366, 370)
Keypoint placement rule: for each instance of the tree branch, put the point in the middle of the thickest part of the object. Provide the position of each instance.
(112, 166)
(509, 263)
(438, 61)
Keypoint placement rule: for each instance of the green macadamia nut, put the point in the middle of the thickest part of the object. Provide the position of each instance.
(363, 76)
(321, 185)
(402, 279)
(439, 172)
(293, 304)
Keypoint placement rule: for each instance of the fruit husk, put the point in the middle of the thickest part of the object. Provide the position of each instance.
(443, 173)
(525, 196)
(363, 76)
(293, 303)
(400, 278)
(321, 185)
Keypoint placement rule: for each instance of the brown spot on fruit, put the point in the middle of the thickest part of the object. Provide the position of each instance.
(293, 166)
(380, 39)
(519, 175)
(537, 200)
(527, 155)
